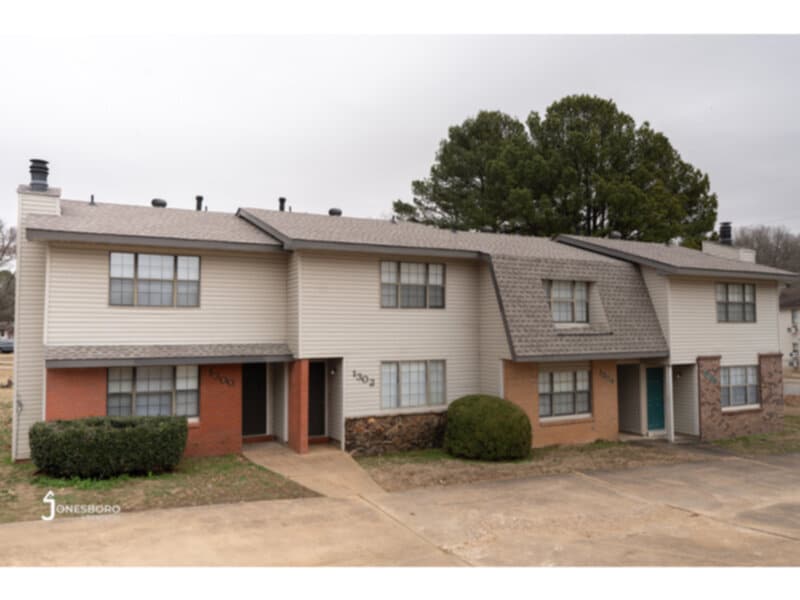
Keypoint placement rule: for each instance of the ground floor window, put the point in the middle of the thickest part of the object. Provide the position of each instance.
(153, 391)
(739, 386)
(412, 383)
(564, 393)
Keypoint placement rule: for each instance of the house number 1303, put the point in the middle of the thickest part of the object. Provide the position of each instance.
(365, 379)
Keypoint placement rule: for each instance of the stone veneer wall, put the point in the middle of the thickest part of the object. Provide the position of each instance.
(717, 424)
(394, 433)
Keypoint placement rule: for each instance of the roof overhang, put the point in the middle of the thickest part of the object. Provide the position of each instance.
(668, 269)
(52, 235)
(592, 356)
(75, 357)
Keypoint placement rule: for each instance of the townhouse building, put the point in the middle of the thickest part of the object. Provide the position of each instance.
(304, 328)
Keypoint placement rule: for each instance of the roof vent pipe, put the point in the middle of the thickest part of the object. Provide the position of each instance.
(282, 204)
(198, 202)
(335, 212)
(158, 203)
(725, 233)
(39, 172)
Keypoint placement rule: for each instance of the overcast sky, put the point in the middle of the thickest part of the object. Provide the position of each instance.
(351, 121)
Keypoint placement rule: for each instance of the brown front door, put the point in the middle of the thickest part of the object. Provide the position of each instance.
(316, 399)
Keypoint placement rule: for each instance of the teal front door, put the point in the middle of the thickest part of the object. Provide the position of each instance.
(655, 399)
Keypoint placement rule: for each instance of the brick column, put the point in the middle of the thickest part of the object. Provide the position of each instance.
(709, 394)
(298, 406)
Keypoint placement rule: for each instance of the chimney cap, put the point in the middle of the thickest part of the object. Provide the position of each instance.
(335, 212)
(725, 233)
(198, 202)
(158, 203)
(282, 204)
(39, 171)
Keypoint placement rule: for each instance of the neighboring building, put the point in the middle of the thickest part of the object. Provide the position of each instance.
(303, 328)
(789, 325)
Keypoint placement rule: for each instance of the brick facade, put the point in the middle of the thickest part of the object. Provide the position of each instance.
(78, 393)
(521, 386)
(717, 424)
(298, 406)
(394, 433)
(219, 430)
(75, 393)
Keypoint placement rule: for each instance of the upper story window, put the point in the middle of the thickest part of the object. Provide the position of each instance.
(412, 285)
(736, 302)
(739, 386)
(153, 391)
(569, 301)
(154, 280)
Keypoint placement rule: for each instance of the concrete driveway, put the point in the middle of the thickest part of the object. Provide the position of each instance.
(724, 512)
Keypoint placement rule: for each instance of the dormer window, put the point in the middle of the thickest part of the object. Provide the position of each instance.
(568, 300)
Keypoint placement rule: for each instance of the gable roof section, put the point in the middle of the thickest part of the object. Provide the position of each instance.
(790, 297)
(632, 329)
(675, 260)
(146, 225)
(311, 231)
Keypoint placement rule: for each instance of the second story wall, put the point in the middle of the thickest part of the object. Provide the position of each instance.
(694, 330)
(243, 299)
(340, 315)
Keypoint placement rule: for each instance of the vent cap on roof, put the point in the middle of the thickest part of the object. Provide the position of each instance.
(39, 172)
(726, 233)
(158, 203)
(335, 212)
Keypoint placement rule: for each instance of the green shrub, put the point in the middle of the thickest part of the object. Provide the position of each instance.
(102, 447)
(487, 428)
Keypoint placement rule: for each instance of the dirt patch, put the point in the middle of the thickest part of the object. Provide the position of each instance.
(196, 481)
(402, 471)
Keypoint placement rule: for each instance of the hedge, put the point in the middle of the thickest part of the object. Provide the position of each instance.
(102, 447)
(487, 428)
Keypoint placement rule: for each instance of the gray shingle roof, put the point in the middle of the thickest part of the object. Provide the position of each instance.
(141, 355)
(306, 227)
(673, 258)
(630, 327)
(148, 222)
(790, 297)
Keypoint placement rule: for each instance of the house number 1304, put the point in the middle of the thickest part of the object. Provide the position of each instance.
(365, 379)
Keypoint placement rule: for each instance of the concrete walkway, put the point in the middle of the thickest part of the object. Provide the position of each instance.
(729, 511)
(325, 469)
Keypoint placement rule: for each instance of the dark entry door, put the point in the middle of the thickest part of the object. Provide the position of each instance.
(655, 399)
(316, 399)
(254, 399)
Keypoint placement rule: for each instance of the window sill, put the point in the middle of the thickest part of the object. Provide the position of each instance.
(193, 422)
(566, 420)
(738, 409)
(410, 410)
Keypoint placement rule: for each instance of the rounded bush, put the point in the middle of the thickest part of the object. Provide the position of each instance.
(102, 447)
(487, 428)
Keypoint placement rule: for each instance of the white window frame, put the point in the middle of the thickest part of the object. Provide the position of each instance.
(174, 390)
(572, 301)
(748, 405)
(176, 280)
(718, 303)
(398, 384)
(397, 283)
(552, 416)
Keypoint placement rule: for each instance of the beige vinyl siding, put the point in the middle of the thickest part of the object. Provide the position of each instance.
(787, 338)
(659, 290)
(684, 394)
(493, 347)
(694, 330)
(340, 316)
(292, 304)
(29, 324)
(242, 300)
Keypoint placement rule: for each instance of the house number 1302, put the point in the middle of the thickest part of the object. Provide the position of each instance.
(365, 379)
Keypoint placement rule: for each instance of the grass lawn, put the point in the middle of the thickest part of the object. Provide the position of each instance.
(196, 481)
(783, 442)
(421, 468)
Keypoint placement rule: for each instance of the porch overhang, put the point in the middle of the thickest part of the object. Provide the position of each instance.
(76, 357)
